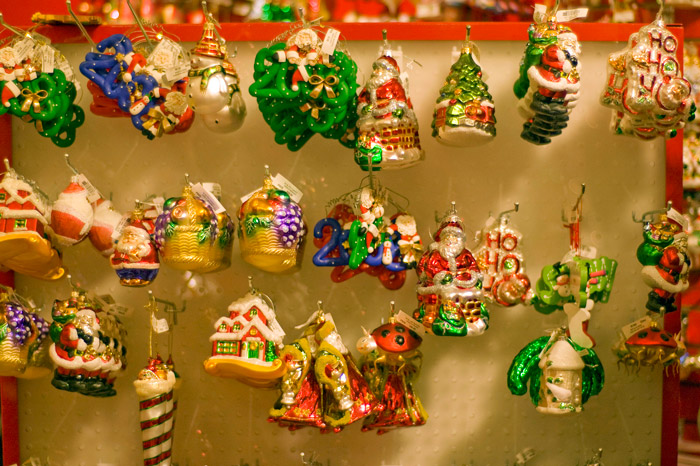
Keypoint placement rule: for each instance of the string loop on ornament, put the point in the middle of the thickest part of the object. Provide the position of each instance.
(70, 165)
(76, 286)
(78, 23)
(516, 207)
(647, 216)
(256, 292)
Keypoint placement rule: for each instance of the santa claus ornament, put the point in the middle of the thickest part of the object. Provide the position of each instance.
(88, 346)
(500, 260)
(562, 376)
(664, 256)
(37, 85)
(147, 76)
(25, 244)
(248, 341)
(271, 227)
(105, 221)
(305, 84)
(464, 114)
(360, 239)
(194, 232)
(549, 81)
(645, 85)
(322, 386)
(135, 258)
(391, 364)
(387, 127)
(213, 87)
(449, 290)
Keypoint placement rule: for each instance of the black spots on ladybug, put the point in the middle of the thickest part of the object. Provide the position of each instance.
(414, 334)
(665, 337)
(400, 328)
(643, 334)
(385, 332)
(654, 329)
(399, 340)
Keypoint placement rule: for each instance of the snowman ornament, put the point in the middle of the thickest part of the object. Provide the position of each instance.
(213, 88)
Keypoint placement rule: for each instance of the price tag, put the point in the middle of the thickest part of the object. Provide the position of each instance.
(249, 195)
(284, 184)
(623, 16)
(64, 66)
(562, 16)
(199, 190)
(640, 324)
(24, 48)
(214, 188)
(117, 233)
(303, 72)
(330, 41)
(93, 193)
(48, 59)
(410, 322)
(159, 325)
(176, 73)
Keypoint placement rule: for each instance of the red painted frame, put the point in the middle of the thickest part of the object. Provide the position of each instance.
(246, 32)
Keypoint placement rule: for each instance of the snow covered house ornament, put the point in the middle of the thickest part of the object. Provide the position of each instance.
(561, 379)
(246, 344)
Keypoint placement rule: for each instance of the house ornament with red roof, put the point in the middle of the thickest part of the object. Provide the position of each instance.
(246, 343)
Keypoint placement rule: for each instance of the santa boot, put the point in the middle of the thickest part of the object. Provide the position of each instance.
(9, 91)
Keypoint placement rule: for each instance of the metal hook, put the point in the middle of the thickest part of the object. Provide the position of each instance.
(138, 204)
(577, 206)
(205, 10)
(83, 31)
(506, 212)
(12, 29)
(469, 33)
(646, 216)
(187, 179)
(74, 285)
(267, 170)
(386, 48)
(302, 18)
(7, 164)
(660, 13)
(392, 307)
(251, 288)
(70, 165)
(139, 24)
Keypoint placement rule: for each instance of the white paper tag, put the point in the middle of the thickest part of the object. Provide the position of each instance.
(64, 66)
(563, 16)
(303, 72)
(330, 41)
(93, 193)
(249, 195)
(524, 456)
(284, 184)
(159, 325)
(404, 78)
(623, 16)
(199, 190)
(177, 73)
(165, 54)
(410, 322)
(24, 48)
(117, 233)
(640, 324)
(583, 352)
(214, 188)
(157, 208)
(48, 59)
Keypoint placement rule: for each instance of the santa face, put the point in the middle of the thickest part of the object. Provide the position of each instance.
(366, 198)
(406, 225)
(134, 243)
(452, 243)
(306, 40)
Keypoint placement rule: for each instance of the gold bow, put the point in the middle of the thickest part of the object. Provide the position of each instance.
(406, 248)
(156, 116)
(314, 107)
(321, 84)
(33, 99)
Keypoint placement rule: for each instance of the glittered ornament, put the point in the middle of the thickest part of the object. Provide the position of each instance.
(387, 127)
(105, 221)
(500, 260)
(88, 346)
(664, 255)
(247, 343)
(366, 241)
(304, 89)
(213, 86)
(645, 85)
(391, 364)
(22, 346)
(648, 347)
(561, 375)
(190, 235)
(322, 386)
(549, 82)
(271, 229)
(24, 218)
(71, 214)
(449, 290)
(464, 114)
(135, 258)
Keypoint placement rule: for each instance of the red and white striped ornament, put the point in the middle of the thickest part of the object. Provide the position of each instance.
(71, 215)
(105, 221)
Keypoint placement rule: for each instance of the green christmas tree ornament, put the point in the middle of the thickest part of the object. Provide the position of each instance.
(464, 114)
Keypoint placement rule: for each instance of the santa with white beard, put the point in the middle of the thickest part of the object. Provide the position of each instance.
(449, 284)
(135, 258)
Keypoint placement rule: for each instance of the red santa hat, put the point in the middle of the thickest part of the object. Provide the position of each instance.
(450, 223)
(388, 63)
(553, 56)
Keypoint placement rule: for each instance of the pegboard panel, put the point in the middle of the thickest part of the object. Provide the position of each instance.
(473, 417)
